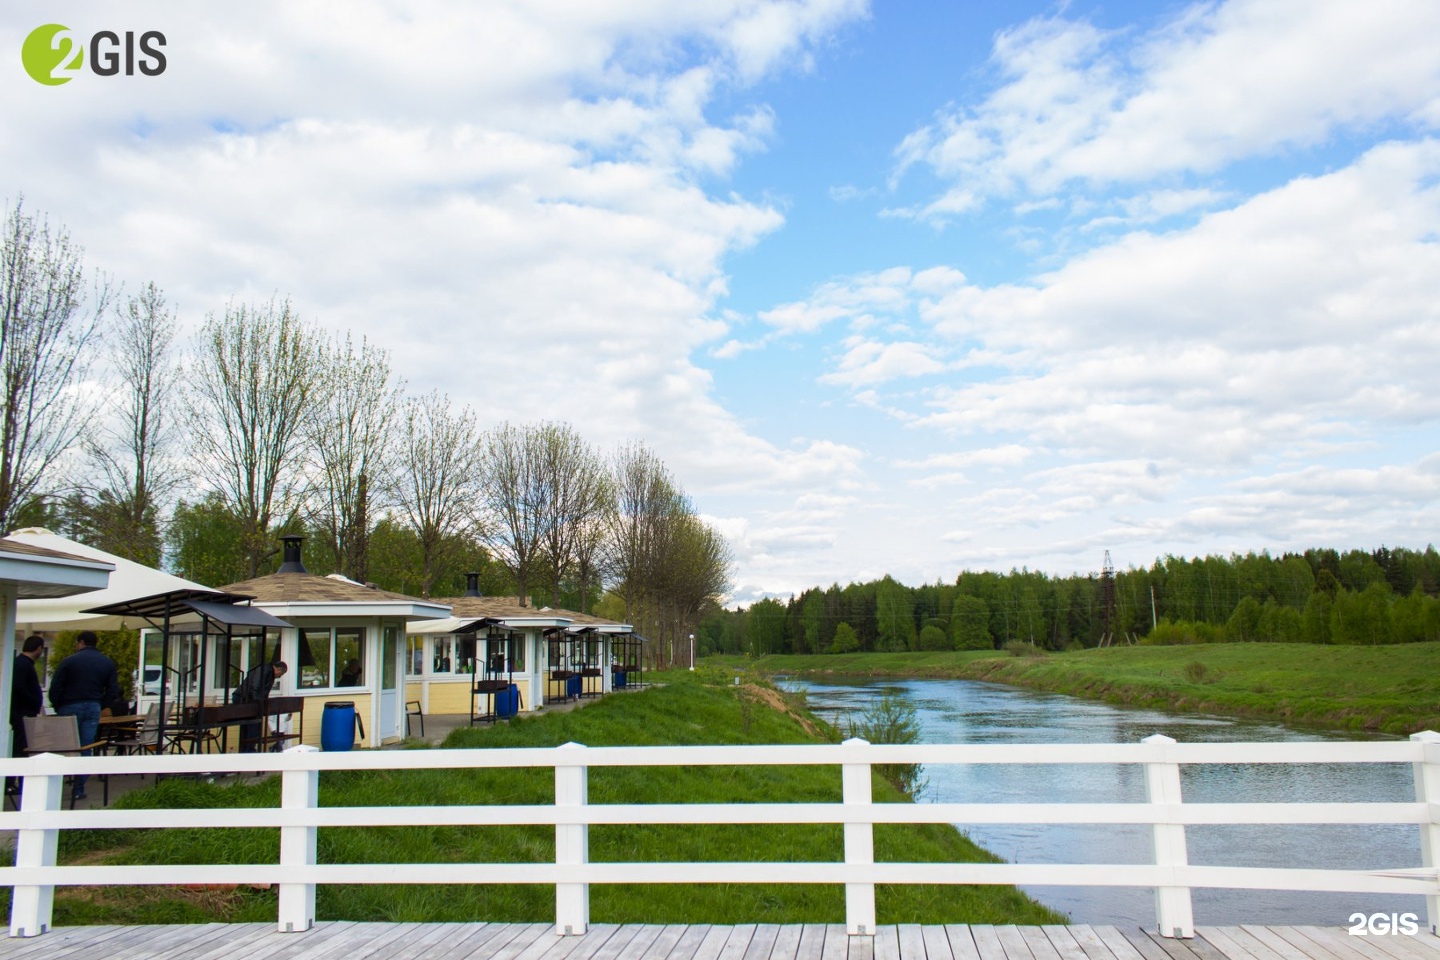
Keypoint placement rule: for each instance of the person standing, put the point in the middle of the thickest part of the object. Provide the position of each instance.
(26, 700)
(255, 688)
(83, 681)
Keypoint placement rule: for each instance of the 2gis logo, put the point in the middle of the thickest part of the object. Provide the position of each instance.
(53, 54)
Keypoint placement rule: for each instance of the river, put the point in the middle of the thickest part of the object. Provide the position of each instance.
(965, 711)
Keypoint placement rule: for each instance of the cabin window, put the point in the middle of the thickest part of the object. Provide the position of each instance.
(350, 657)
(415, 661)
(316, 648)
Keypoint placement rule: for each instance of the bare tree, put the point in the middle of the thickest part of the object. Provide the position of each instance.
(590, 543)
(644, 494)
(350, 453)
(437, 483)
(516, 499)
(131, 452)
(570, 486)
(47, 320)
(257, 377)
(665, 563)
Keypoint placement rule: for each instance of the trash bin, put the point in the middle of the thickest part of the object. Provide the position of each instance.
(619, 678)
(338, 724)
(572, 686)
(507, 702)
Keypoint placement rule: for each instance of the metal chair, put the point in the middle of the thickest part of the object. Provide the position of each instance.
(412, 709)
(144, 739)
(61, 734)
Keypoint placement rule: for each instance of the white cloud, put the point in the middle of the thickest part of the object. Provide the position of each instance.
(868, 362)
(505, 195)
(1218, 83)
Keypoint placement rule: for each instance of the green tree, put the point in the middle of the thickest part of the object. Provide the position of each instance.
(1315, 619)
(766, 627)
(1244, 622)
(846, 641)
(970, 624)
(1364, 617)
(894, 616)
(933, 638)
(205, 540)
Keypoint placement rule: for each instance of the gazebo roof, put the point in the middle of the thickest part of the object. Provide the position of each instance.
(510, 610)
(313, 588)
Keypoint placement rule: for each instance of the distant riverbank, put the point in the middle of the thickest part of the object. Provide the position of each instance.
(1393, 689)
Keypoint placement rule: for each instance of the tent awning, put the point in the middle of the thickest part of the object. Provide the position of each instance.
(451, 625)
(128, 581)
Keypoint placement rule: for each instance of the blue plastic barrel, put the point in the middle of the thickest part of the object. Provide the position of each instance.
(619, 679)
(572, 686)
(507, 702)
(337, 726)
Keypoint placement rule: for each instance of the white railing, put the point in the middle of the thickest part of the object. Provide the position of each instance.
(36, 873)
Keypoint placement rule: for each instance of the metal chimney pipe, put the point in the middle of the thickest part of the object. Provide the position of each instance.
(472, 585)
(291, 556)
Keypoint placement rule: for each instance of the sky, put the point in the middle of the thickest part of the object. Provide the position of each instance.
(903, 287)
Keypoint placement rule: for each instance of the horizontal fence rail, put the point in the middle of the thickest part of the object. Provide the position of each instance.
(36, 872)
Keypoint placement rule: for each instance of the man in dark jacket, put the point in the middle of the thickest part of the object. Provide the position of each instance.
(255, 688)
(26, 697)
(83, 681)
(26, 700)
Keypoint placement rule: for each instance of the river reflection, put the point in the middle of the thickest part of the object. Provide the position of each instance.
(963, 711)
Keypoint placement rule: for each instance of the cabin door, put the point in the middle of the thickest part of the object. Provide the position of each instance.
(389, 684)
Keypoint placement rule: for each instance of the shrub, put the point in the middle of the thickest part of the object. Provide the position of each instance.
(891, 719)
(1195, 671)
(934, 638)
(1023, 648)
(1167, 633)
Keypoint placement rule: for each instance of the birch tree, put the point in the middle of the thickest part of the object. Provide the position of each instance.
(349, 447)
(131, 453)
(48, 318)
(516, 499)
(437, 484)
(255, 383)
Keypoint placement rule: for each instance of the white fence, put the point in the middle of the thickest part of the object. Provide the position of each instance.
(35, 874)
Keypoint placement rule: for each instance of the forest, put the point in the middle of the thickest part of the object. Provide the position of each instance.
(1318, 596)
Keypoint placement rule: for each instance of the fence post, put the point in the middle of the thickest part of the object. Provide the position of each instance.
(31, 905)
(855, 791)
(1427, 791)
(299, 790)
(572, 843)
(1172, 904)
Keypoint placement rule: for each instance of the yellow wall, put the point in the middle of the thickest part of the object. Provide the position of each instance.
(412, 689)
(453, 696)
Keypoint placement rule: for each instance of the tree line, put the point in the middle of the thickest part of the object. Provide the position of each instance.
(1318, 596)
(199, 456)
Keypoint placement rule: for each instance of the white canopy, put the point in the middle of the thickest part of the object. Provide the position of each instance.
(130, 581)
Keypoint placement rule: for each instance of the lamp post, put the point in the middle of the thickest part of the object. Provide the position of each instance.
(692, 652)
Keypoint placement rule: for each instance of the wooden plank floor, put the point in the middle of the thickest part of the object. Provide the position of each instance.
(344, 940)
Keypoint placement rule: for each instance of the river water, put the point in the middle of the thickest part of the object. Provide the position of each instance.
(964, 711)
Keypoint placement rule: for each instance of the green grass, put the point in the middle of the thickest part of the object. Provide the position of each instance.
(1394, 689)
(687, 711)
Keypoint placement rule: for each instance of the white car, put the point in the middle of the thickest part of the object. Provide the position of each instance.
(151, 684)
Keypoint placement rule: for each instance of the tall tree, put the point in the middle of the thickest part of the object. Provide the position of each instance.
(569, 492)
(255, 383)
(644, 498)
(47, 320)
(348, 440)
(518, 500)
(131, 452)
(437, 483)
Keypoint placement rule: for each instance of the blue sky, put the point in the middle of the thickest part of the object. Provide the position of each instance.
(893, 287)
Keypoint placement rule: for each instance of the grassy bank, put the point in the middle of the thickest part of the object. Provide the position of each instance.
(686, 712)
(1395, 689)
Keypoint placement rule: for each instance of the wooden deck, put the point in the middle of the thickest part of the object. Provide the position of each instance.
(340, 940)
